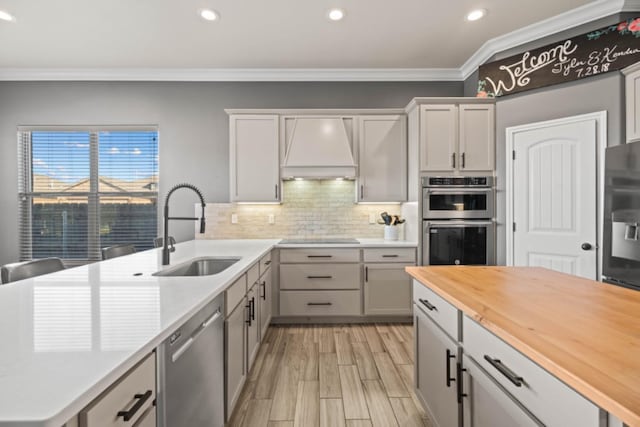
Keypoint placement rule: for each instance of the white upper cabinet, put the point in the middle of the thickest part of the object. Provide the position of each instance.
(477, 137)
(438, 137)
(382, 159)
(632, 98)
(457, 138)
(254, 166)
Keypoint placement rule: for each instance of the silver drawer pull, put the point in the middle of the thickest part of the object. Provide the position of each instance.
(319, 303)
(319, 277)
(511, 376)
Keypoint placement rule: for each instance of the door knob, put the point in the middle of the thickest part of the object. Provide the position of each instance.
(586, 246)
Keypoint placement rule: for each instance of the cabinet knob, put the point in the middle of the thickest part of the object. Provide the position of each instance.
(586, 246)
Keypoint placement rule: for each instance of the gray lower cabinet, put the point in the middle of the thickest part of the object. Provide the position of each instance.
(265, 302)
(253, 328)
(435, 370)
(235, 343)
(486, 404)
(387, 290)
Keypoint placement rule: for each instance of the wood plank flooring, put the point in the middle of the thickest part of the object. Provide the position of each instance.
(332, 375)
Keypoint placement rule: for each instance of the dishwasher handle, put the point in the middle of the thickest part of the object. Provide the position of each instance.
(184, 347)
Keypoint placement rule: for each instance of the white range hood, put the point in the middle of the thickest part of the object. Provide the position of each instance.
(319, 148)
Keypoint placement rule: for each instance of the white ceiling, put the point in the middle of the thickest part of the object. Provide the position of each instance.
(251, 34)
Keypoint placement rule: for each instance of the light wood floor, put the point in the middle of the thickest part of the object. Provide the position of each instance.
(333, 376)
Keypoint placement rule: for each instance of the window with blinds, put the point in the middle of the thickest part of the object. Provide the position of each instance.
(82, 189)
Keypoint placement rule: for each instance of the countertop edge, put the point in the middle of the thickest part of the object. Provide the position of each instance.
(588, 391)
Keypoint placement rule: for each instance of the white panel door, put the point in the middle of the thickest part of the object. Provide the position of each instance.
(554, 198)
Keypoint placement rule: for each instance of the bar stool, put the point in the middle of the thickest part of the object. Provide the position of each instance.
(27, 269)
(117, 250)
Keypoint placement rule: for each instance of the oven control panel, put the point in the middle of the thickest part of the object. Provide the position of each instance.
(457, 181)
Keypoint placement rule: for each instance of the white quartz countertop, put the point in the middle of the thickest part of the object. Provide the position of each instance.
(66, 336)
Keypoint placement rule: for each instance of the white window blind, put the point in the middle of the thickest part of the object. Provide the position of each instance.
(84, 189)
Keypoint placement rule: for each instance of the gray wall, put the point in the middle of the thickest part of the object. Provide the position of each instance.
(194, 134)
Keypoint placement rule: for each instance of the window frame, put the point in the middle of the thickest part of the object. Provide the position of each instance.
(26, 193)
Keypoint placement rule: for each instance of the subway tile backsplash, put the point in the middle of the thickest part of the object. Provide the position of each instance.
(310, 208)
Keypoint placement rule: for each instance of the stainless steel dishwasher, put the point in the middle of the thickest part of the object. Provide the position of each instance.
(191, 371)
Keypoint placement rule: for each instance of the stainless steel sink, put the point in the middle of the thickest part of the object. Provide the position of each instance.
(206, 266)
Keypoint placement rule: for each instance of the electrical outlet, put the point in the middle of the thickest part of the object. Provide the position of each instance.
(372, 218)
(234, 218)
(272, 219)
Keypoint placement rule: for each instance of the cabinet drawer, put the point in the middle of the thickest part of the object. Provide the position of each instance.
(548, 398)
(253, 274)
(235, 293)
(136, 389)
(319, 255)
(390, 255)
(320, 303)
(319, 276)
(265, 263)
(443, 313)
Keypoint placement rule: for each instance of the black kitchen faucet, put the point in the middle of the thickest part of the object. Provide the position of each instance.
(165, 240)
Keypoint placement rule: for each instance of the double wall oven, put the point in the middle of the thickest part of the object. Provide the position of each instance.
(458, 220)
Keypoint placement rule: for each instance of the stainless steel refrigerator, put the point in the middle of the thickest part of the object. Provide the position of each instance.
(622, 216)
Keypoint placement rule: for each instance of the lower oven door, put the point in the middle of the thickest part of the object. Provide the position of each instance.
(458, 243)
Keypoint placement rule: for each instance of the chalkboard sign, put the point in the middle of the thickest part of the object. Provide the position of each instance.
(608, 49)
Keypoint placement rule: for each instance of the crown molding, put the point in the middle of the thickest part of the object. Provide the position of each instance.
(232, 74)
(538, 30)
(547, 27)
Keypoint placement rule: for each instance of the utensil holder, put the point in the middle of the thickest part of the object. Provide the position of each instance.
(391, 232)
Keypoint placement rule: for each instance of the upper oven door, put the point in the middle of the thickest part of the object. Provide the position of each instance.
(457, 203)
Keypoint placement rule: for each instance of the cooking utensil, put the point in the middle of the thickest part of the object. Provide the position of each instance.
(386, 218)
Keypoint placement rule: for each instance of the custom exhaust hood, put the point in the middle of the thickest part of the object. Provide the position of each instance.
(319, 148)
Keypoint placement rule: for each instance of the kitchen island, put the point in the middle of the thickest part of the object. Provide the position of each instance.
(585, 334)
(68, 335)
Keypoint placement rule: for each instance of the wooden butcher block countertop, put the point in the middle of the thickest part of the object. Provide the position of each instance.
(584, 332)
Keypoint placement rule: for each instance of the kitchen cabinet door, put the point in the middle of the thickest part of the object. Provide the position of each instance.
(265, 303)
(235, 369)
(254, 158)
(486, 404)
(253, 328)
(438, 138)
(435, 376)
(477, 137)
(382, 159)
(632, 100)
(387, 290)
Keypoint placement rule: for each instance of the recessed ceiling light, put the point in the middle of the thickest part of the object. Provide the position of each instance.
(209, 15)
(6, 16)
(474, 15)
(335, 14)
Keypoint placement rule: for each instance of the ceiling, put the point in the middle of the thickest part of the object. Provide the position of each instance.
(251, 34)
